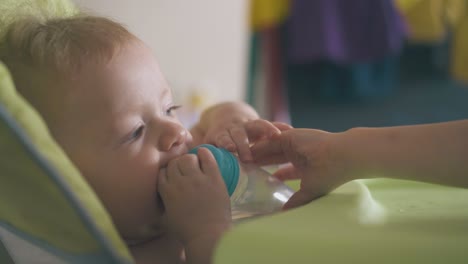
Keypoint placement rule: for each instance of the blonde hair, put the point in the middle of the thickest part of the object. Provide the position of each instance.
(62, 45)
(44, 55)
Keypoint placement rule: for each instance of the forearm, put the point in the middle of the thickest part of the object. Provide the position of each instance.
(436, 153)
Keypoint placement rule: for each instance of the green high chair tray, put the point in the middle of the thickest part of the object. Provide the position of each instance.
(371, 221)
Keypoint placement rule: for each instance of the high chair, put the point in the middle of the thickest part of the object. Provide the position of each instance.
(49, 214)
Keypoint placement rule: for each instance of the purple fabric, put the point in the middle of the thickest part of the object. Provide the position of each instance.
(344, 31)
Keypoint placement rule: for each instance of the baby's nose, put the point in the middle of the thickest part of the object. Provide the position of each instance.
(173, 136)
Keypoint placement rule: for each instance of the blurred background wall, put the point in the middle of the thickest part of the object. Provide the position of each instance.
(201, 45)
(327, 64)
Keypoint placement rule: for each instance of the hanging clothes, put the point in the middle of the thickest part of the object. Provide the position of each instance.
(341, 51)
(433, 21)
(429, 21)
(267, 13)
(344, 31)
(460, 51)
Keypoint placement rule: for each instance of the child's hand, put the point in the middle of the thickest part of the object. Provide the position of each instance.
(195, 198)
(312, 158)
(233, 135)
(225, 125)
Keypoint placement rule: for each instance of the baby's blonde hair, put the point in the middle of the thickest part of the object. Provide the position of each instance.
(62, 45)
(44, 55)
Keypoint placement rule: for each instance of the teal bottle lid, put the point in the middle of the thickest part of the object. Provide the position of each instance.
(227, 163)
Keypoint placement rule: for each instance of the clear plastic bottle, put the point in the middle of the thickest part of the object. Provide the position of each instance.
(253, 191)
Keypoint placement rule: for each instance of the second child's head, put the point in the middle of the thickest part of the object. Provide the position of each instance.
(106, 102)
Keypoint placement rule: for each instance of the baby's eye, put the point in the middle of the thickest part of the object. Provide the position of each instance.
(137, 133)
(170, 111)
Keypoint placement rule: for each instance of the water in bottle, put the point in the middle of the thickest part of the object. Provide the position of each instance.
(252, 190)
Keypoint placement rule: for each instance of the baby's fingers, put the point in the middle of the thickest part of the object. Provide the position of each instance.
(162, 177)
(282, 126)
(225, 141)
(188, 165)
(259, 128)
(239, 136)
(235, 140)
(163, 184)
(208, 164)
(207, 161)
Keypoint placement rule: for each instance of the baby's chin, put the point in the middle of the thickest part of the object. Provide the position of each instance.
(145, 233)
(151, 229)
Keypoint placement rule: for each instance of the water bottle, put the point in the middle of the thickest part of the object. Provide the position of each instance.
(252, 190)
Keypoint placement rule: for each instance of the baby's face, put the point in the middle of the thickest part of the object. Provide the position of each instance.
(119, 127)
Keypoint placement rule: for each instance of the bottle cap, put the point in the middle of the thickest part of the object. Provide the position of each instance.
(227, 163)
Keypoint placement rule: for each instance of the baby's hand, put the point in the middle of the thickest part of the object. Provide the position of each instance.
(225, 125)
(195, 198)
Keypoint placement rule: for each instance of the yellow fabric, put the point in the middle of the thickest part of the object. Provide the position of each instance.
(405, 5)
(428, 19)
(10, 10)
(455, 11)
(267, 13)
(460, 51)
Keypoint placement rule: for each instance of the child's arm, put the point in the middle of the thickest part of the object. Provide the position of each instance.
(223, 125)
(436, 153)
(197, 205)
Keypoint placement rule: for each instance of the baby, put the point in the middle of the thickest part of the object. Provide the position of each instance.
(102, 94)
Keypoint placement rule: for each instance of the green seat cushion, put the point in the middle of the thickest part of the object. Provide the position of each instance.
(46, 207)
(372, 221)
(43, 197)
